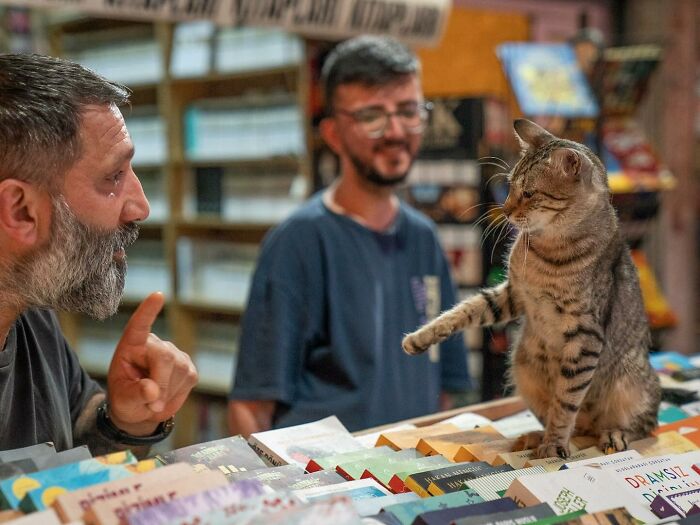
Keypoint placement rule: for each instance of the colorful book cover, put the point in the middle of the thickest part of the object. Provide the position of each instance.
(407, 512)
(13, 489)
(397, 482)
(409, 438)
(547, 79)
(338, 510)
(509, 517)
(384, 472)
(43, 497)
(418, 482)
(369, 439)
(72, 505)
(370, 506)
(552, 464)
(355, 468)
(355, 490)
(229, 455)
(322, 478)
(671, 414)
(30, 452)
(668, 362)
(330, 462)
(198, 503)
(299, 443)
(670, 442)
(553, 520)
(618, 516)
(680, 503)
(689, 428)
(43, 460)
(449, 444)
(269, 474)
(494, 486)
(486, 451)
(454, 483)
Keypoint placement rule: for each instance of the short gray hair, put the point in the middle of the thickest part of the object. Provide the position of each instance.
(369, 60)
(41, 104)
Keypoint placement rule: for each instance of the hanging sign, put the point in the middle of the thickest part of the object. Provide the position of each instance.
(416, 22)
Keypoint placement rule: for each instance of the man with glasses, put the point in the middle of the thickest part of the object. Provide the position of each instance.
(341, 281)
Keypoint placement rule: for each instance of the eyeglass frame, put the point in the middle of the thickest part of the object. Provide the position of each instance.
(425, 107)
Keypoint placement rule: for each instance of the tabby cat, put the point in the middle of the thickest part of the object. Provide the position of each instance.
(581, 359)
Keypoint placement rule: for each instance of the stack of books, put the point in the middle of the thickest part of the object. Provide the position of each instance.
(460, 470)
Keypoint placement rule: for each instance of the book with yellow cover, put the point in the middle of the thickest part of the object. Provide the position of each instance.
(486, 451)
(665, 443)
(449, 444)
(409, 438)
(689, 428)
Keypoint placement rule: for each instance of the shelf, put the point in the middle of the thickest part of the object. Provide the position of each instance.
(286, 163)
(206, 309)
(217, 229)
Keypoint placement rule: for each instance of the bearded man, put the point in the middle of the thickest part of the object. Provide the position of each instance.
(339, 283)
(69, 206)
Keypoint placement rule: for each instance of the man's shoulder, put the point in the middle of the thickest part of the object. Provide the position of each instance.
(309, 217)
(40, 319)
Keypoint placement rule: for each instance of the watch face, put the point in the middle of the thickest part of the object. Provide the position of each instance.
(168, 425)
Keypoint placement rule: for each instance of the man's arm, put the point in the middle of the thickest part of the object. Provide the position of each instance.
(246, 417)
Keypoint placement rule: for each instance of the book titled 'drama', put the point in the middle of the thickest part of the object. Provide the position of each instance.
(229, 455)
(298, 444)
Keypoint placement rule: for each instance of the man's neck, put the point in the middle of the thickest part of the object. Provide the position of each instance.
(375, 207)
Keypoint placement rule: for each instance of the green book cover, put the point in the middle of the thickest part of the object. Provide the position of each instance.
(330, 462)
(559, 519)
(384, 472)
(493, 486)
(418, 482)
(407, 512)
(354, 469)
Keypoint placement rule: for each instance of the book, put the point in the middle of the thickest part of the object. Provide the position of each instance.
(555, 463)
(44, 517)
(337, 510)
(518, 424)
(356, 490)
(268, 474)
(383, 472)
(298, 444)
(116, 511)
(409, 438)
(565, 518)
(689, 428)
(41, 461)
(486, 451)
(494, 486)
(418, 482)
(72, 506)
(369, 439)
(13, 489)
(407, 512)
(330, 462)
(583, 488)
(321, 478)
(515, 459)
(449, 444)
(198, 503)
(370, 506)
(355, 468)
(457, 482)
(618, 458)
(665, 443)
(547, 79)
(229, 455)
(679, 503)
(509, 517)
(30, 452)
(618, 516)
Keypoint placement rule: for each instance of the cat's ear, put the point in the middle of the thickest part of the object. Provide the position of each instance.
(530, 135)
(570, 162)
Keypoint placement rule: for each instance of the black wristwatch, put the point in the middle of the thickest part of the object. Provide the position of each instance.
(109, 430)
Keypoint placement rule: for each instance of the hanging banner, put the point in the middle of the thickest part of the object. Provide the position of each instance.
(415, 22)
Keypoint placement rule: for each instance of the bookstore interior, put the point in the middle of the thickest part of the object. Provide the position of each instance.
(225, 114)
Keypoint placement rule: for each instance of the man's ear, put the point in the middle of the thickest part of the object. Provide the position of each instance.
(22, 215)
(329, 133)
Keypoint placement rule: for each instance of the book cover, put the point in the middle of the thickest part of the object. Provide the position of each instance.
(44, 517)
(409, 438)
(30, 452)
(322, 478)
(518, 424)
(299, 443)
(369, 439)
(689, 428)
(116, 511)
(486, 451)
(384, 472)
(13, 489)
(73, 505)
(618, 458)
(515, 459)
(583, 488)
(44, 496)
(547, 79)
(666, 505)
(43, 460)
(338, 510)
(355, 490)
(555, 463)
(509, 517)
(198, 503)
(397, 482)
(552, 520)
(618, 516)
(355, 468)
(457, 482)
(229, 455)
(670, 442)
(494, 486)
(418, 482)
(449, 444)
(370, 506)
(330, 462)
(407, 512)
(268, 474)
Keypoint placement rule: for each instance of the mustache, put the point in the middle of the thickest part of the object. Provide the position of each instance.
(391, 142)
(126, 235)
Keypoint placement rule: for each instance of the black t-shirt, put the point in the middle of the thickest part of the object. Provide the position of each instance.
(43, 388)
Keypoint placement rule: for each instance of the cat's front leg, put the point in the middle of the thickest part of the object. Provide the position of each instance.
(578, 364)
(490, 306)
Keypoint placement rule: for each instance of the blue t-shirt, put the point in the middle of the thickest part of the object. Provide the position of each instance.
(329, 304)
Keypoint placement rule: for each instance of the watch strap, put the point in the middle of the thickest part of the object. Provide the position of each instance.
(110, 431)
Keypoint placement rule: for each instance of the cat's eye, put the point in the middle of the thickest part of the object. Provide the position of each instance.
(528, 194)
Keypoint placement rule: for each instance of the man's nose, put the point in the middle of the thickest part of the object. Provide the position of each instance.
(136, 207)
(394, 127)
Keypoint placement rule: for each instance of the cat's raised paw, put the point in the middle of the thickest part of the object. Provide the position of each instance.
(613, 441)
(551, 450)
(411, 346)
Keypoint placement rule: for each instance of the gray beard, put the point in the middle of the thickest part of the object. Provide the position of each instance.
(76, 271)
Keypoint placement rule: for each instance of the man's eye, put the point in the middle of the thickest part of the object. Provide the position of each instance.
(408, 113)
(368, 116)
(115, 178)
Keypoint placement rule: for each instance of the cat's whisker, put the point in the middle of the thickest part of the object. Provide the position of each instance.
(504, 164)
(499, 174)
(464, 212)
(487, 214)
(504, 229)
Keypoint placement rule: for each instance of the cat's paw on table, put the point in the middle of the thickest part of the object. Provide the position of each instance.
(554, 449)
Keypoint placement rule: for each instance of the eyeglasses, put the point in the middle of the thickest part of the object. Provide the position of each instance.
(374, 120)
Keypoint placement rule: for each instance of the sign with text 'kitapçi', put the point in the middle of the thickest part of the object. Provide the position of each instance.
(416, 22)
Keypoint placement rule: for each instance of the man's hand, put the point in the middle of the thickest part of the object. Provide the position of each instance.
(148, 379)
